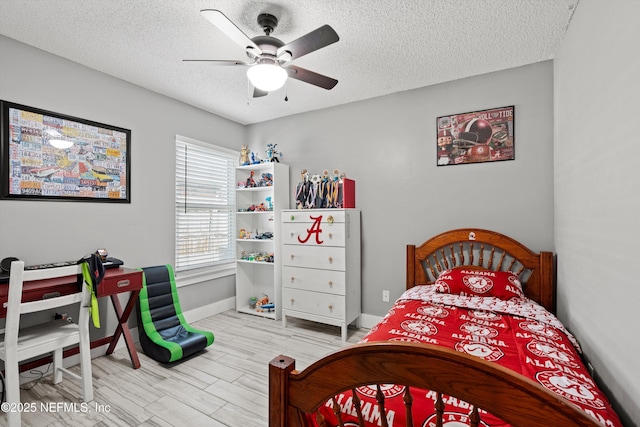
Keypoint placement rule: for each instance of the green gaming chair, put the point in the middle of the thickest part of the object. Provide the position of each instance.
(164, 334)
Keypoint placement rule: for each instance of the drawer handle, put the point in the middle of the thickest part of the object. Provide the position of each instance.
(292, 256)
(330, 283)
(330, 260)
(292, 234)
(330, 219)
(331, 235)
(293, 217)
(123, 283)
(293, 279)
(330, 307)
(292, 301)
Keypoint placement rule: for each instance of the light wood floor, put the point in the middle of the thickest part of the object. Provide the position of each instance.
(226, 385)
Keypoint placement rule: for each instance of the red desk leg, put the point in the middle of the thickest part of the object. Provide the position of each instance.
(123, 328)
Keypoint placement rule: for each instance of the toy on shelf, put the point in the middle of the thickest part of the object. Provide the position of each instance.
(264, 304)
(267, 178)
(260, 207)
(272, 154)
(257, 256)
(252, 302)
(267, 235)
(251, 158)
(250, 181)
(244, 156)
(256, 208)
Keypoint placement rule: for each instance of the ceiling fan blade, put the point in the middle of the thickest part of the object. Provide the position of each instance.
(219, 61)
(316, 39)
(311, 77)
(257, 93)
(225, 25)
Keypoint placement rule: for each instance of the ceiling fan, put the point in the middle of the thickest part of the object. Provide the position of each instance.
(269, 58)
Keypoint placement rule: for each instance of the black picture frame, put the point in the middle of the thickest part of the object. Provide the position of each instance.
(96, 167)
(476, 137)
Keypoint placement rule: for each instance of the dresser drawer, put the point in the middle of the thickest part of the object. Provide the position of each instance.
(329, 281)
(321, 304)
(118, 280)
(304, 233)
(328, 216)
(328, 258)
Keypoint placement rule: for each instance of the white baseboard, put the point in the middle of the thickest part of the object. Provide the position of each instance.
(368, 321)
(209, 310)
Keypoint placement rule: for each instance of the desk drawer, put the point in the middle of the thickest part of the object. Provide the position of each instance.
(41, 289)
(117, 280)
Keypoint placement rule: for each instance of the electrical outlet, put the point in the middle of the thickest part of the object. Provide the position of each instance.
(385, 296)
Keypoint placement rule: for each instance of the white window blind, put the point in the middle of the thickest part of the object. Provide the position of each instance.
(205, 205)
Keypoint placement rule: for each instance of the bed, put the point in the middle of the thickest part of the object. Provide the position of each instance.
(472, 341)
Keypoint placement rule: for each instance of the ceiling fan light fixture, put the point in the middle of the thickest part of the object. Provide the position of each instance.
(267, 77)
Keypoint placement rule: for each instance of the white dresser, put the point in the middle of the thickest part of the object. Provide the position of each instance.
(321, 266)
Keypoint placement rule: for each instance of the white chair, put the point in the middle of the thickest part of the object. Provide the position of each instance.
(51, 337)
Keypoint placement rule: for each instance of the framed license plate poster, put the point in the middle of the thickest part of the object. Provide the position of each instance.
(476, 137)
(50, 156)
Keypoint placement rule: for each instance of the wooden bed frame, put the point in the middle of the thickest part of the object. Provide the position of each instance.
(485, 385)
(488, 249)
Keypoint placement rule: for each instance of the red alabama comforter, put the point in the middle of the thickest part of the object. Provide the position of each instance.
(518, 334)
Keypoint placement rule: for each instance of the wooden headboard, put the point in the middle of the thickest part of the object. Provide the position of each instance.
(488, 249)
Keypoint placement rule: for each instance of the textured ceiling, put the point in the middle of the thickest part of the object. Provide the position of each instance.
(385, 46)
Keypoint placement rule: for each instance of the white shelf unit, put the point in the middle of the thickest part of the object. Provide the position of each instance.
(259, 278)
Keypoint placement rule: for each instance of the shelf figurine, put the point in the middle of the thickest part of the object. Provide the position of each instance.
(250, 181)
(267, 178)
(244, 155)
(302, 190)
(272, 154)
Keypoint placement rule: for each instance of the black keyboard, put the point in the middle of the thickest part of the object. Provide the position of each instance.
(50, 265)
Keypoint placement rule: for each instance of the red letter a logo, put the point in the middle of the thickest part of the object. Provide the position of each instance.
(315, 229)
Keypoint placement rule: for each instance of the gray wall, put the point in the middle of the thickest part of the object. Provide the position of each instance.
(140, 233)
(597, 181)
(388, 146)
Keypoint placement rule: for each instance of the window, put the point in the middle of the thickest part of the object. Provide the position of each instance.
(205, 205)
